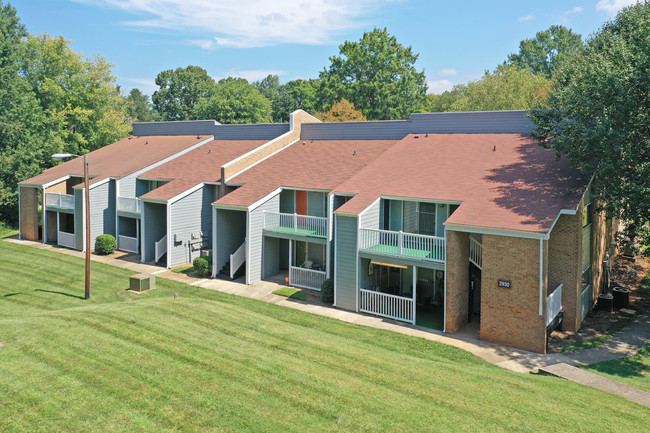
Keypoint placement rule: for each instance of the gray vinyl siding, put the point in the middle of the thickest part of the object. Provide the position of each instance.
(410, 224)
(155, 227)
(210, 127)
(271, 257)
(345, 272)
(190, 215)
(395, 217)
(255, 241)
(484, 122)
(231, 233)
(371, 216)
(316, 205)
(102, 211)
(141, 187)
(127, 186)
(79, 217)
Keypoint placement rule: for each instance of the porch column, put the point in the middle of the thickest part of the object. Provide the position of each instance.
(415, 280)
(290, 255)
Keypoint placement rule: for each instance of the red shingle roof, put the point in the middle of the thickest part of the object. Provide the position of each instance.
(318, 164)
(198, 166)
(120, 158)
(518, 186)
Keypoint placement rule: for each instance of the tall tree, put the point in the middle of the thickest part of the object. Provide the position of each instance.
(180, 91)
(544, 53)
(377, 75)
(341, 111)
(234, 100)
(599, 111)
(138, 106)
(294, 95)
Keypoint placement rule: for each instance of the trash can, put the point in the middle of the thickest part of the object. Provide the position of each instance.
(605, 302)
(621, 297)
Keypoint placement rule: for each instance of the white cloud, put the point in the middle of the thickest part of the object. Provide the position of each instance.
(528, 17)
(439, 86)
(147, 86)
(249, 23)
(566, 16)
(447, 72)
(613, 6)
(250, 76)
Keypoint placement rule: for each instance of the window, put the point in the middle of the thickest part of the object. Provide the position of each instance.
(427, 219)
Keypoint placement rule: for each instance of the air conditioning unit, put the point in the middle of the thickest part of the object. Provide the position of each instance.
(206, 253)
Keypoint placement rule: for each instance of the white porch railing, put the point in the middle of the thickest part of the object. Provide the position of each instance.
(61, 201)
(129, 204)
(237, 259)
(292, 223)
(385, 305)
(127, 243)
(66, 239)
(553, 304)
(308, 278)
(476, 252)
(585, 302)
(387, 242)
(160, 248)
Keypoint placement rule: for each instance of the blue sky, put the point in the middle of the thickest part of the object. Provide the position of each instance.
(457, 40)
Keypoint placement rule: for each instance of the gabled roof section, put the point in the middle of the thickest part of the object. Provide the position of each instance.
(121, 158)
(198, 166)
(306, 164)
(503, 181)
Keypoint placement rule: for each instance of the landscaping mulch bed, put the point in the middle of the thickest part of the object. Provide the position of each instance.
(627, 272)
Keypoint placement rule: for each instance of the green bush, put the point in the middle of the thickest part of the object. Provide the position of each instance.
(201, 266)
(105, 244)
(327, 291)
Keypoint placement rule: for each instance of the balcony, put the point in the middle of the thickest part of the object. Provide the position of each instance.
(56, 201)
(400, 244)
(293, 224)
(129, 205)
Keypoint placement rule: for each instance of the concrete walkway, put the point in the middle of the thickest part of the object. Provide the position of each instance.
(626, 343)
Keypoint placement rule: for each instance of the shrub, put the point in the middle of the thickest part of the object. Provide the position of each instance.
(105, 244)
(327, 291)
(201, 266)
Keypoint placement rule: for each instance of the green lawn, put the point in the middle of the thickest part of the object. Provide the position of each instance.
(634, 371)
(207, 361)
(292, 293)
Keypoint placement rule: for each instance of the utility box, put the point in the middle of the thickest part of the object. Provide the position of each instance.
(142, 282)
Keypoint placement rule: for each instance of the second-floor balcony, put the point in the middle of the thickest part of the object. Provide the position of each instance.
(294, 224)
(400, 244)
(59, 201)
(129, 205)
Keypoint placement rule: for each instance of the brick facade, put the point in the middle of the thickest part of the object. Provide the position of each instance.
(511, 316)
(457, 296)
(29, 217)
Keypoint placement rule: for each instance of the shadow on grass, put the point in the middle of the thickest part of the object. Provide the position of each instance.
(628, 368)
(59, 293)
(10, 294)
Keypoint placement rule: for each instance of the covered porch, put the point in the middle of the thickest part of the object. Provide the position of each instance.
(305, 262)
(402, 291)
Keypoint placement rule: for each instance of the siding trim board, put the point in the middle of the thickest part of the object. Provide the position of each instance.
(264, 199)
(496, 232)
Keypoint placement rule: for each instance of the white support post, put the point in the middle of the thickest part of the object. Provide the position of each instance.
(295, 223)
(44, 215)
(58, 226)
(290, 258)
(400, 242)
(415, 281)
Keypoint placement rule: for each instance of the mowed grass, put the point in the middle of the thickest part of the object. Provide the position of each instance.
(207, 361)
(634, 371)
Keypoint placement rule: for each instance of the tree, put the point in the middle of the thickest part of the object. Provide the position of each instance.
(234, 100)
(598, 114)
(377, 75)
(507, 88)
(544, 53)
(180, 91)
(294, 95)
(341, 111)
(138, 106)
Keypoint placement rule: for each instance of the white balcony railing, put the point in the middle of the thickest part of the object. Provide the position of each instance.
(292, 223)
(585, 302)
(128, 204)
(65, 239)
(160, 248)
(237, 259)
(127, 243)
(400, 244)
(308, 278)
(553, 304)
(476, 252)
(60, 201)
(385, 305)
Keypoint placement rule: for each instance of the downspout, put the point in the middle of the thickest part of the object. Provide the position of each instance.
(214, 242)
(20, 220)
(169, 229)
(444, 302)
(44, 217)
(541, 276)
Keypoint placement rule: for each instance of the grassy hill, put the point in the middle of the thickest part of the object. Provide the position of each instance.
(207, 361)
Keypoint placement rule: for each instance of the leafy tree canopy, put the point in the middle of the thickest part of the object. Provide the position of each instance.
(180, 91)
(341, 111)
(139, 107)
(544, 53)
(377, 75)
(598, 114)
(234, 100)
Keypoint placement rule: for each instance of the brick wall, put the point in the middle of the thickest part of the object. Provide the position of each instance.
(29, 213)
(457, 300)
(61, 188)
(564, 266)
(511, 316)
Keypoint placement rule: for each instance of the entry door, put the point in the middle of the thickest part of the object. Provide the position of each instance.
(301, 202)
